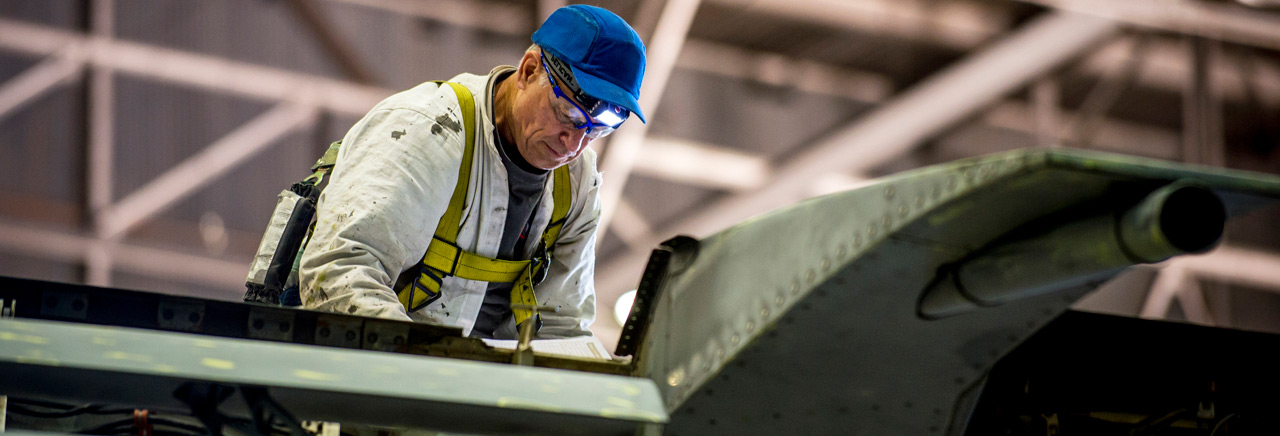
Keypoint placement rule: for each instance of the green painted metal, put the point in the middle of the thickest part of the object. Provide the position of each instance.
(97, 364)
(804, 321)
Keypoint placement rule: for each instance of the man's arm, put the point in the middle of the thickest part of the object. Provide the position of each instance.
(570, 283)
(392, 182)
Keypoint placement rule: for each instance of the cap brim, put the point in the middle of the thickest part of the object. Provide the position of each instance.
(604, 90)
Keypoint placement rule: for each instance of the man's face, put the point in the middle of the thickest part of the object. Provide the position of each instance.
(545, 135)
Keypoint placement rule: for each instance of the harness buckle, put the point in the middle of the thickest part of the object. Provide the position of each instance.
(541, 263)
(457, 256)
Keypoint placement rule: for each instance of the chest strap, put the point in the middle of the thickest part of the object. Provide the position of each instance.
(445, 258)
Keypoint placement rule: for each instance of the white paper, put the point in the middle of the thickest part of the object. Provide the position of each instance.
(581, 346)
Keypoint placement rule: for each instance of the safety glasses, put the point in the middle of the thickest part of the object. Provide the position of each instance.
(599, 118)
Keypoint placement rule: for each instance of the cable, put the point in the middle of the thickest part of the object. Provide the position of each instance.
(1220, 423)
(1153, 423)
(127, 425)
(88, 409)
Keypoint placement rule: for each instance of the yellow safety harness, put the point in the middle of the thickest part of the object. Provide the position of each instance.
(444, 258)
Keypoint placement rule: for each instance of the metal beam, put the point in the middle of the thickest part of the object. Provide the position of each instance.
(545, 8)
(190, 69)
(503, 18)
(785, 71)
(893, 129)
(1179, 279)
(350, 99)
(57, 69)
(1235, 265)
(137, 259)
(1109, 134)
(919, 113)
(203, 168)
(99, 168)
(333, 43)
(1202, 107)
(632, 228)
(1199, 18)
(960, 25)
(1167, 65)
(703, 165)
(1047, 109)
(661, 55)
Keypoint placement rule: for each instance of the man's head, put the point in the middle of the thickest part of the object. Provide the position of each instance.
(578, 83)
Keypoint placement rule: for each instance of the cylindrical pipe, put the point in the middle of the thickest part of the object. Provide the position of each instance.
(1177, 219)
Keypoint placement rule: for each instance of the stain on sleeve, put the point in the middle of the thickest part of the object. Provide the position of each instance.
(448, 122)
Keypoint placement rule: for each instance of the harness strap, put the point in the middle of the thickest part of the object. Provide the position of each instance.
(522, 291)
(445, 258)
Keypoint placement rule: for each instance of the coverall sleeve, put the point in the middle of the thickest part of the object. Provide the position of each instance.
(570, 282)
(395, 173)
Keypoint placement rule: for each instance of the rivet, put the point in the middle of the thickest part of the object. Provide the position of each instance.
(889, 192)
(734, 339)
(857, 241)
(902, 211)
(764, 313)
(795, 288)
(826, 264)
(871, 231)
(719, 352)
(841, 251)
(810, 276)
(919, 201)
(751, 327)
(887, 221)
(780, 301)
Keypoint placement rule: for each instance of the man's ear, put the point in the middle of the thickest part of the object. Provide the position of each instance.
(527, 72)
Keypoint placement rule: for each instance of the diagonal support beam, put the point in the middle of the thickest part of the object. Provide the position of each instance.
(196, 70)
(333, 43)
(1218, 21)
(662, 52)
(203, 168)
(890, 131)
(919, 113)
(58, 69)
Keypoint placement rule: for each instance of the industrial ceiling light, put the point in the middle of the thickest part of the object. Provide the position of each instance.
(622, 308)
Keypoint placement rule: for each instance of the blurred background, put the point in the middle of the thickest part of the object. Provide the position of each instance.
(143, 142)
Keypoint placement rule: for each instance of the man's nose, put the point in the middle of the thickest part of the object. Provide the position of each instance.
(574, 140)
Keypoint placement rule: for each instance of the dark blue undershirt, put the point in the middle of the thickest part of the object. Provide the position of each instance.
(524, 186)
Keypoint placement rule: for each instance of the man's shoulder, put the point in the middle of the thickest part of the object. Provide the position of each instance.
(431, 98)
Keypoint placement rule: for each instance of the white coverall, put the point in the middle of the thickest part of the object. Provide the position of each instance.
(395, 173)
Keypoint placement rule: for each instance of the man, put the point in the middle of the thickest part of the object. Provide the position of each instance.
(399, 166)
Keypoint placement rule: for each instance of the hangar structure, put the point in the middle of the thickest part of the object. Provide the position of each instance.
(146, 140)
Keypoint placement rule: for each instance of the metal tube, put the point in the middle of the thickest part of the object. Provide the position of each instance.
(1177, 219)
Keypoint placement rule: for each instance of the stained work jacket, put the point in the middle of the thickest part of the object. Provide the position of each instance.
(396, 170)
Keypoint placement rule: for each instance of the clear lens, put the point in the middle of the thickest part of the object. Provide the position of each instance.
(568, 112)
(599, 131)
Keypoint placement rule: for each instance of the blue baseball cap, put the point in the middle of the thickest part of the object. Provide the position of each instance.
(604, 52)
